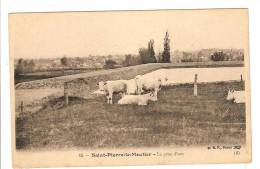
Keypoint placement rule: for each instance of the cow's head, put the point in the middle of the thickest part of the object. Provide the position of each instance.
(138, 77)
(230, 95)
(153, 96)
(101, 85)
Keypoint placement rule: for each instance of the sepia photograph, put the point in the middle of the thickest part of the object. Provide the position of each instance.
(130, 87)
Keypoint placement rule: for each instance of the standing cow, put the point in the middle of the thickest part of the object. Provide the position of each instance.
(111, 87)
(148, 84)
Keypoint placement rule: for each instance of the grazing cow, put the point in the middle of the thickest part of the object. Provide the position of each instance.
(236, 96)
(138, 99)
(150, 84)
(111, 87)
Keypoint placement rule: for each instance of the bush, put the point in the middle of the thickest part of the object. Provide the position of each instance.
(131, 60)
(110, 64)
(64, 61)
(24, 66)
(218, 56)
(187, 60)
(145, 56)
(127, 60)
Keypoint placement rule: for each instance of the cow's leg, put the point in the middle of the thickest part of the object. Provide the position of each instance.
(110, 97)
(140, 90)
(108, 100)
(138, 86)
(155, 94)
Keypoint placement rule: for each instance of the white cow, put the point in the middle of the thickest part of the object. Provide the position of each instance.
(236, 96)
(110, 87)
(138, 99)
(146, 83)
(131, 86)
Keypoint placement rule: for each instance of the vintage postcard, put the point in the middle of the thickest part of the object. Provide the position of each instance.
(130, 87)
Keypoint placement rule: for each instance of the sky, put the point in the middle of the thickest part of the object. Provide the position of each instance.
(77, 34)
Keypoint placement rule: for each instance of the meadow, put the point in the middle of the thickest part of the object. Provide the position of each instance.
(177, 119)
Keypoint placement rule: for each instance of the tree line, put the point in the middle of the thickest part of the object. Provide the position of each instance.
(24, 66)
(147, 55)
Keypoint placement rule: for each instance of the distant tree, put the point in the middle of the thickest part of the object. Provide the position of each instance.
(131, 60)
(166, 56)
(19, 67)
(110, 64)
(135, 60)
(240, 56)
(144, 55)
(127, 60)
(147, 55)
(31, 65)
(159, 57)
(217, 56)
(79, 59)
(151, 53)
(64, 61)
(24, 66)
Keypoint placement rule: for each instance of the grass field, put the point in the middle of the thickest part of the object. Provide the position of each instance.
(177, 119)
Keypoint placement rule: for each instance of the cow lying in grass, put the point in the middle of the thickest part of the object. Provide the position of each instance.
(138, 99)
(236, 96)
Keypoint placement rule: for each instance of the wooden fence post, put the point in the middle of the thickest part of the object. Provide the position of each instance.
(66, 97)
(21, 107)
(195, 92)
(241, 80)
(183, 126)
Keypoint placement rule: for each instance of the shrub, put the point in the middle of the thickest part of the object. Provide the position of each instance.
(24, 66)
(64, 61)
(145, 56)
(218, 56)
(110, 64)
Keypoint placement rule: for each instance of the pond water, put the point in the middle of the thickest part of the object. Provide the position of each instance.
(186, 75)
